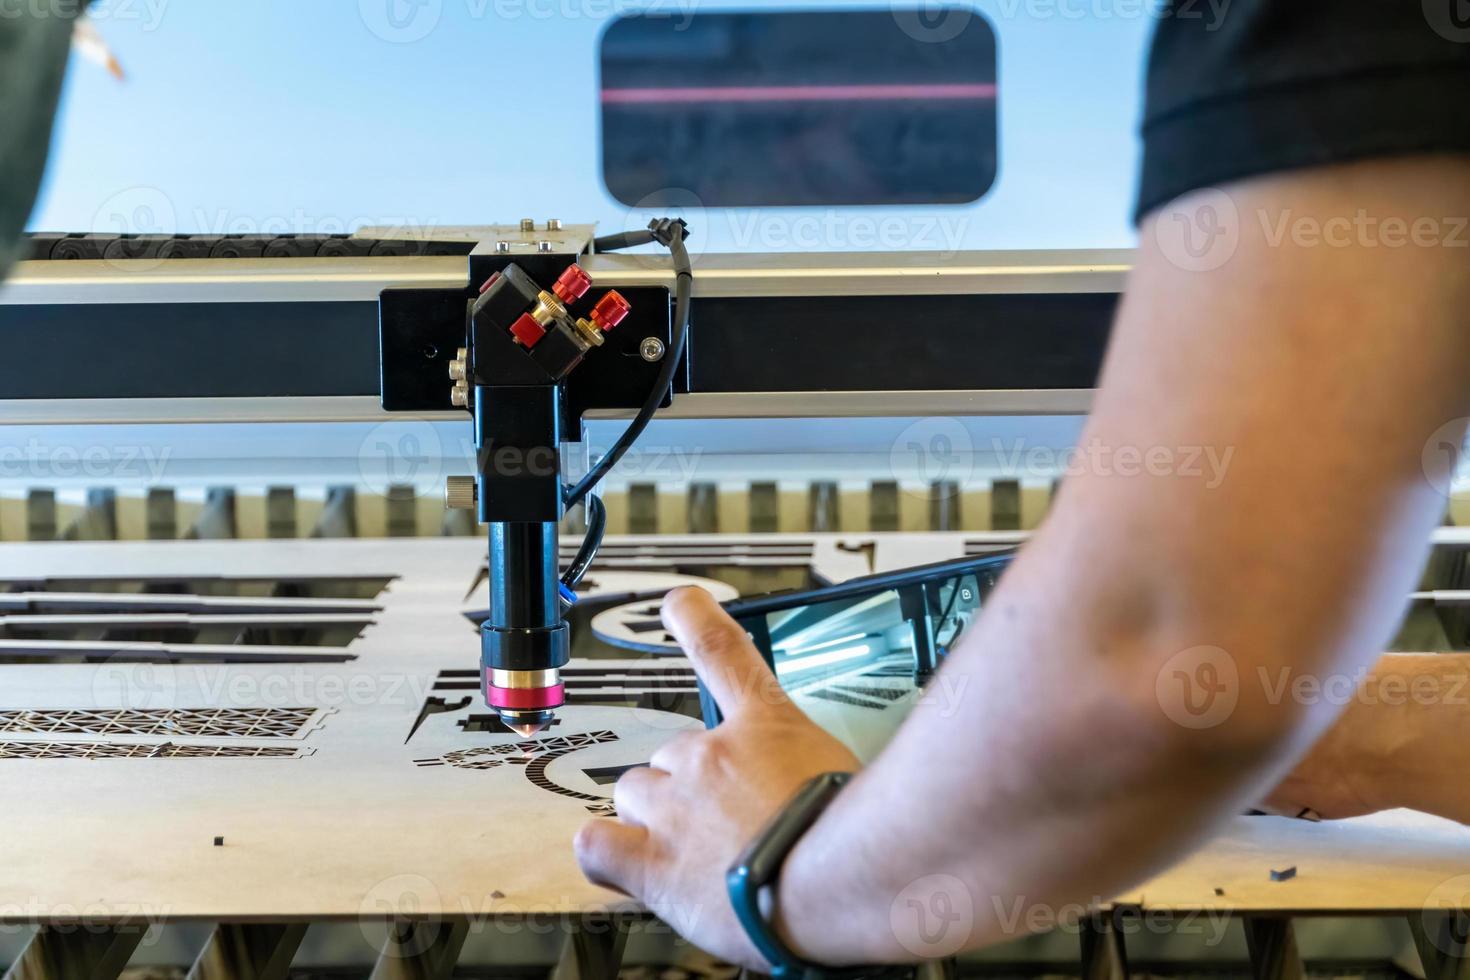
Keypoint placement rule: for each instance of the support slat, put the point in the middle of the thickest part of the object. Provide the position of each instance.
(883, 512)
(593, 951)
(162, 510)
(1005, 505)
(824, 508)
(402, 504)
(421, 950)
(945, 506)
(1443, 942)
(704, 508)
(339, 515)
(1274, 955)
(1104, 950)
(80, 952)
(248, 952)
(642, 508)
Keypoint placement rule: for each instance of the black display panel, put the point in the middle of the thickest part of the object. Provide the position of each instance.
(800, 108)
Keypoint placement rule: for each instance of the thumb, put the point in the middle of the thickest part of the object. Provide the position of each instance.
(732, 669)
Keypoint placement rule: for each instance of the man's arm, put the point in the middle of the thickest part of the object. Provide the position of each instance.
(1113, 708)
(1400, 743)
(1071, 770)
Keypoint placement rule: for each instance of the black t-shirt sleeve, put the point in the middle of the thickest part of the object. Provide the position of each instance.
(1238, 88)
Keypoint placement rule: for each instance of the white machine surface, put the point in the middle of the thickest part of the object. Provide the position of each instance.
(289, 789)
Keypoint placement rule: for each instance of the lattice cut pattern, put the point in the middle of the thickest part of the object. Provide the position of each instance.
(534, 755)
(181, 722)
(165, 750)
(519, 753)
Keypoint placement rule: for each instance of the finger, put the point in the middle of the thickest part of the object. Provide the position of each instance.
(613, 854)
(726, 660)
(673, 755)
(636, 793)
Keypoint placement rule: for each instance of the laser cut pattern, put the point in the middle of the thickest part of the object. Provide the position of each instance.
(165, 750)
(534, 755)
(292, 723)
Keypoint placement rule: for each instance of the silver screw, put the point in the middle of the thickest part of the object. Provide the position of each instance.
(554, 225)
(528, 224)
(459, 395)
(651, 350)
(502, 248)
(456, 370)
(544, 246)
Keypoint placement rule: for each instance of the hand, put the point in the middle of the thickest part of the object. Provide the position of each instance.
(1325, 783)
(706, 795)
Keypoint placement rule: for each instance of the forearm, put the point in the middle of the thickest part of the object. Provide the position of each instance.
(1060, 776)
(1400, 743)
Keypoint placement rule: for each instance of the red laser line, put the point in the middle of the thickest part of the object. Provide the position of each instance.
(799, 93)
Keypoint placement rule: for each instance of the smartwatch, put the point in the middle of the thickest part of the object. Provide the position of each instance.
(758, 868)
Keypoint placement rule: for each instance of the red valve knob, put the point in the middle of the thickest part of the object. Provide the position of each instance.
(526, 331)
(572, 285)
(610, 311)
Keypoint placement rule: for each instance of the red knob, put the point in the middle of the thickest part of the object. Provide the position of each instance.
(572, 285)
(526, 331)
(610, 311)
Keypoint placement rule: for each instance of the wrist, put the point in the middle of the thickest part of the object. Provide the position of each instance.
(804, 915)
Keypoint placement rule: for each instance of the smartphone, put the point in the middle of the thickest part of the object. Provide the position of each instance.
(858, 656)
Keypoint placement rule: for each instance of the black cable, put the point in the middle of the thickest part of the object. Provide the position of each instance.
(954, 596)
(596, 525)
(683, 291)
(670, 233)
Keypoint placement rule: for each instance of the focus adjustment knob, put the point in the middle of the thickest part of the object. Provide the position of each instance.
(460, 493)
